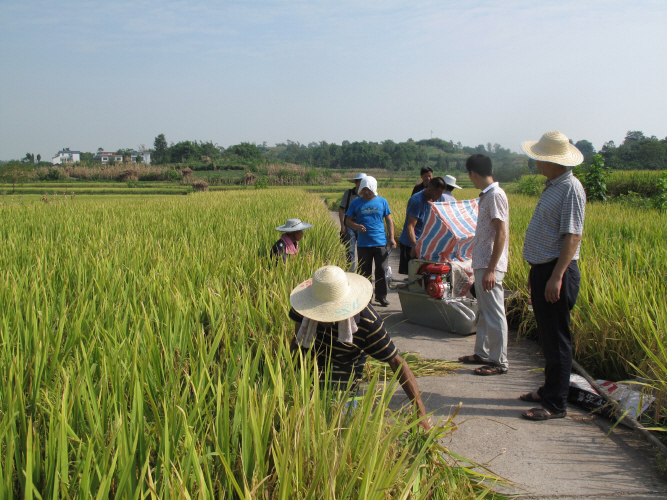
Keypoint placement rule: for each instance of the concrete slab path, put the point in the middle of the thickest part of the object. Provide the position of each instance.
(560, 459)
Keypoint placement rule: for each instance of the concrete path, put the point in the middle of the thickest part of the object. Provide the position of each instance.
(560, 459)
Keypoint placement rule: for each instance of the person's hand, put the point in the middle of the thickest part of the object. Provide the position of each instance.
(361, 227)
(343, 230)
(552, 290)
(413, 253)
(489, 280)
(392, 242)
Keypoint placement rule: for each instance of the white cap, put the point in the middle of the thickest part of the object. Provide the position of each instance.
(450, 180)
(357, 178)
(370, 183)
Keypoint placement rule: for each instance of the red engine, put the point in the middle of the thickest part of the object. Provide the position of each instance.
(435, 278)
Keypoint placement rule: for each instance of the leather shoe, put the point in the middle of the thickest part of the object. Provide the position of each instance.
(383, 302)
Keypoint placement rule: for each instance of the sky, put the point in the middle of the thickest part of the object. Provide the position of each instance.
(115, 74)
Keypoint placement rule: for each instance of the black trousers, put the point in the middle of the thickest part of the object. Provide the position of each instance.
(553, 328)
(379, 255)
(404, 258)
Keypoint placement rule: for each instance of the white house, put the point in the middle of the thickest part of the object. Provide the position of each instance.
(106, 156)
(66, 157)
(143, 154)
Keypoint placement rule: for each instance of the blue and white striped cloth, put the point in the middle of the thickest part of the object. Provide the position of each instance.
(559, 211)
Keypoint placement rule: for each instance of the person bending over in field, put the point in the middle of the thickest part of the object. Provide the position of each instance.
(336, 322)
(419, 206)
(551, 247)
(288, 244)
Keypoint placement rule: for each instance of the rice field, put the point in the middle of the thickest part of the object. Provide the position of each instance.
(623, 298)
(145, 355)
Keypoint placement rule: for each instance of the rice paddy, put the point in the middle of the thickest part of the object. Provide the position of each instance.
(145, 354)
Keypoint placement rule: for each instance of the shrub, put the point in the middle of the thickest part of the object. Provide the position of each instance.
(595, 179)
(532, 185)
(659, 201)
(261, 182)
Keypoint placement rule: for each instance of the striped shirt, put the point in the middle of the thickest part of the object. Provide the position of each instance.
(559, 211)
(371, 339)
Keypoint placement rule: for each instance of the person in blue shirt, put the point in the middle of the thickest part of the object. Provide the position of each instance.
(418, 209)
(367, 215)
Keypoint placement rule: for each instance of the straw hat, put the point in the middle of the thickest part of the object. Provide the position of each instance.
(357, 178)
(293, 225)
(450, 180)
(331, 295)
(554, 147)
(370, 183)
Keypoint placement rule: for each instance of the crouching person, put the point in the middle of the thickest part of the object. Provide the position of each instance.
(288, 244)
(334, 317)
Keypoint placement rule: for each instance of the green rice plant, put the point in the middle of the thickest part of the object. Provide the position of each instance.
(145, 355)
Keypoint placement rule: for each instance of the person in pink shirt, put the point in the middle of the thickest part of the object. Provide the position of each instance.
(288, 244)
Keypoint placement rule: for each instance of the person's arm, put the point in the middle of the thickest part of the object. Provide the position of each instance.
(409, 384)
(351, 222)
(390, 230)
(489, 279)
(567, 251)
(410, 229)
(341, 217)
(341, 213)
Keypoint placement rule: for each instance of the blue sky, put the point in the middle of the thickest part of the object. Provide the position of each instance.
(93, 74)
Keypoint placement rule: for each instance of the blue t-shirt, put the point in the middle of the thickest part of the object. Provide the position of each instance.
(370, 214)
(419, 206)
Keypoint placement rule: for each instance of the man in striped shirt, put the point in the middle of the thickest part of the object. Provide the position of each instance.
(335, 322)
(551, 247)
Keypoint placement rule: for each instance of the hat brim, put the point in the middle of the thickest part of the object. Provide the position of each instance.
(572, 158)
(353, 180)
(292, 229)
(454, 186)
(360, 294)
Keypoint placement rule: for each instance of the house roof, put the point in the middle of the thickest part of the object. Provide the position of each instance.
(106, 153)
(70, 152)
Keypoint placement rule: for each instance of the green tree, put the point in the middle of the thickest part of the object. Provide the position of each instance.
(16, 171)
(39, 158)
(160, 154)
(586, 148)
(29, 158)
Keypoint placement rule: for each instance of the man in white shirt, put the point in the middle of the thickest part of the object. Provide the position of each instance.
(489, 263)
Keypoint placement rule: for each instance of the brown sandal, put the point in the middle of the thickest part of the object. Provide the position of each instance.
(490, 370)
(472, 359)
(540, 413)
(530, 398)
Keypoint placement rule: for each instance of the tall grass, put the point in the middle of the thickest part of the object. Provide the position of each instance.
(145, 355)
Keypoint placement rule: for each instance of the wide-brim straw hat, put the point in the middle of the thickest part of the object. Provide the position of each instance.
(293, 225)
(450, 180)
(357, 178)
(554, 147)
(331, 295)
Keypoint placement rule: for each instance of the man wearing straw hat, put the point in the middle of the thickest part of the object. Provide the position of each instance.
(347, 234)
(334, 317)
(288, 244)
(551, 247)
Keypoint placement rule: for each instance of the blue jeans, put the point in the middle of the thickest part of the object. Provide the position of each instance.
(350, 239)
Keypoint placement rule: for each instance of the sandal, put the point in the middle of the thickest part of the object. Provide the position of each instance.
(472, 359)
(490, 370)
(540, 413)
(530, 398)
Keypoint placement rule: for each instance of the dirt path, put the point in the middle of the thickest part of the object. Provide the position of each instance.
(565, 459)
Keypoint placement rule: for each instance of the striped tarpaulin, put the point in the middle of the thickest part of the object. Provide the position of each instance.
(448, 232)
